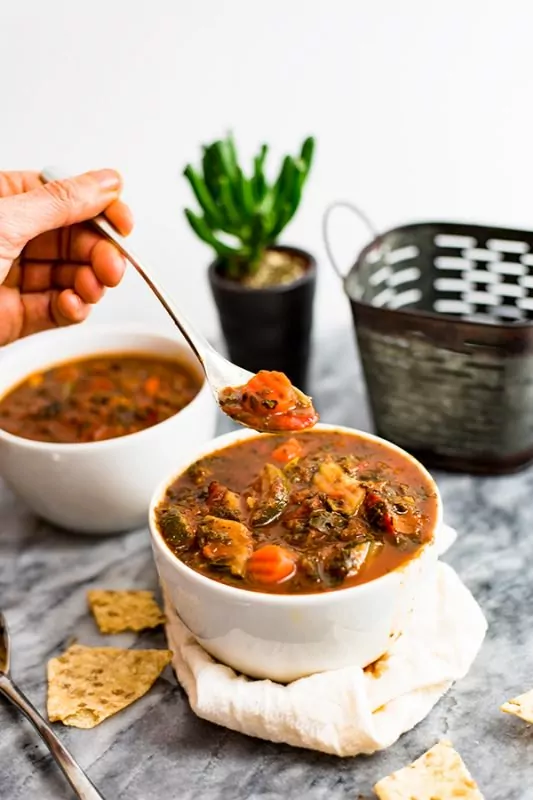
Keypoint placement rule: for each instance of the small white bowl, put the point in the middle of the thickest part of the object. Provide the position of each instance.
(99, 487)
(285, 637)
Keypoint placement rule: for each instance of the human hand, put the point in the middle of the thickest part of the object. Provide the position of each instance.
(52, 269)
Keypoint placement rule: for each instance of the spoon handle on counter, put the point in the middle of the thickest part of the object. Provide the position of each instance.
(77, 778)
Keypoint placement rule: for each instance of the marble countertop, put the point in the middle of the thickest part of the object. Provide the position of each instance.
(157, 748)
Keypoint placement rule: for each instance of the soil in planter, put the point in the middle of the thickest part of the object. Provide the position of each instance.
(277, 267)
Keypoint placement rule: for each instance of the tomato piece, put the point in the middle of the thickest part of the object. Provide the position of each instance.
(269, 391)
(378, 513)
(287, 451)
(268, 402)
(151, 385)
(101, 384)
(298, 419)
(271, 564)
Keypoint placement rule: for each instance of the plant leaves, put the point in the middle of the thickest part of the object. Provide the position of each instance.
(228, 157)
(233, 217)
(204, 232)
(245, 194)
(307, 152)
(201, 192)
(259, 182)
(212, 170)
(280, 185)
(250, 209)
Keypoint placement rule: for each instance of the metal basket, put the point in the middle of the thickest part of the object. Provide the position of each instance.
(443, 314)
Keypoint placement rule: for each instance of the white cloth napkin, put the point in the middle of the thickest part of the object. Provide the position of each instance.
(347, 711)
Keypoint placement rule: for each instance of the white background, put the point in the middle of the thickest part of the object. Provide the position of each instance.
(421, 110)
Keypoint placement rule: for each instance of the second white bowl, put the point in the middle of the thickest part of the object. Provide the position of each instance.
(99, 487)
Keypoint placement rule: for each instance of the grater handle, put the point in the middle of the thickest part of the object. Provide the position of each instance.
(325, 229)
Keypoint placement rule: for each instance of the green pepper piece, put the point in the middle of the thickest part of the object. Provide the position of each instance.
(273, 496)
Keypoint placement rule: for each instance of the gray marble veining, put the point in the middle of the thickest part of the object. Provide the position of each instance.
(158, 750)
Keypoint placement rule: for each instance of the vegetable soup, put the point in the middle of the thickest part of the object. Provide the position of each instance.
(299, 514)
(97, 398)
(269, 403)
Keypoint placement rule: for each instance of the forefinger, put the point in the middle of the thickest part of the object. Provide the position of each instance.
(75, 244)
(118, 213)
(120, 216)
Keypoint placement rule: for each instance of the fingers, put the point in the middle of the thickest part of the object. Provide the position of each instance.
(66, 244)
(108, 264)
(68, 308)
(24, 314)
(119, 215)
(44, 310)
(44, 215)
(41, 277)
(76, 244)
(13, 277)
(11, 318)
(58, 204)
(11, 183)
(106, 269)
(17, 182)
(87, 286)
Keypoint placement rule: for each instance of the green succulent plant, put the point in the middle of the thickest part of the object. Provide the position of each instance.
(249, 212)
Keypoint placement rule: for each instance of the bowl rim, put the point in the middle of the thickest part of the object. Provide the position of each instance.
(98, 329)
(265, 598)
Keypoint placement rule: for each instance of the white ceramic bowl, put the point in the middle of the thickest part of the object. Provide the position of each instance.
(285, 637)
(99, 487)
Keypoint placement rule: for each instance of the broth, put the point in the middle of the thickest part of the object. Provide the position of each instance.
(309, 513)
(97, 398)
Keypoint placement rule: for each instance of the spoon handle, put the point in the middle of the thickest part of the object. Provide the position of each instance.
(199, 344)
(196, 341)
(73, 772)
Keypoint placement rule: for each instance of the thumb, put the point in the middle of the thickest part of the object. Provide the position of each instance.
(55, 205)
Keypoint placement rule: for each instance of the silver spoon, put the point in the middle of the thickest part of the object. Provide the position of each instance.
(219, 371)
(72, 770)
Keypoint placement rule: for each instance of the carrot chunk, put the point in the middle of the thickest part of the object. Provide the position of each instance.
(271, 564)
(287, 451)
(268, 402)
(151, 385)
(268, 391)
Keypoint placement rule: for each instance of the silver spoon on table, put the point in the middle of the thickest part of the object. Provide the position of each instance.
(219, 371)
(72, 770)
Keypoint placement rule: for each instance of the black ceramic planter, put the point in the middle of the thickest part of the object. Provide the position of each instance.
(268, 328)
